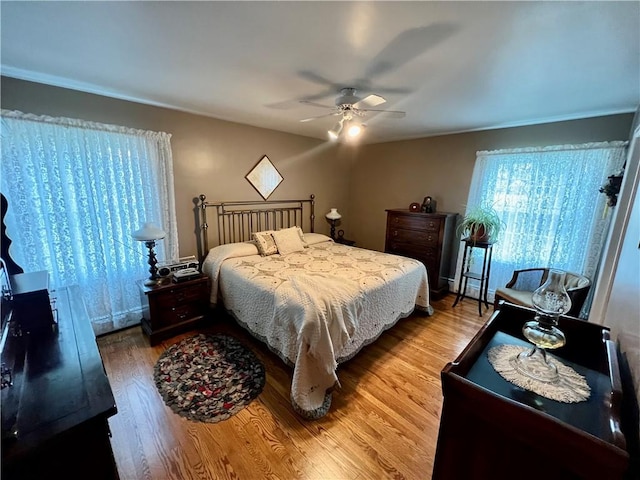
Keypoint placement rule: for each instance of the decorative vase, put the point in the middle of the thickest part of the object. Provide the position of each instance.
(550, 301)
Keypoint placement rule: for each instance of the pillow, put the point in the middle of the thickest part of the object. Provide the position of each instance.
(304, 241)
(313, 238)
(265, 243)
(288, 240)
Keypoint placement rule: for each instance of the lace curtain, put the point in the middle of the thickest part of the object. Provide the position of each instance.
(76, 192)
(550, 203)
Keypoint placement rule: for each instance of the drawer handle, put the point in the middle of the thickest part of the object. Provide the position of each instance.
(182, 316)
(395, 233)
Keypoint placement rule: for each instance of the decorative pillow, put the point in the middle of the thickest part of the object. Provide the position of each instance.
(265, 243)
(304, 241)
(288, 240)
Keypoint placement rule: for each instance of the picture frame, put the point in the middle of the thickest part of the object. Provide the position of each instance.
(264, 177)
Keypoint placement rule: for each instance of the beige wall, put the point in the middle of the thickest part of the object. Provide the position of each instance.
(213, 156)
(393, 175)
(210, 156)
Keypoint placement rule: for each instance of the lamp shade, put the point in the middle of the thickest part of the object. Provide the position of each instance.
(149, 231)
(333, 214)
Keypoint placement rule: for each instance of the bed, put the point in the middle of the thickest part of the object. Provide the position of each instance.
(312, 301)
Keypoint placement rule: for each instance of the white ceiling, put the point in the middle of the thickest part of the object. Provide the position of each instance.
(452, 66)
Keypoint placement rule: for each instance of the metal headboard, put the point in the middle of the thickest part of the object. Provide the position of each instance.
(236, 221)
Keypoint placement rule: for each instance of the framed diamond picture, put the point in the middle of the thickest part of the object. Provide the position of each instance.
(264, 177)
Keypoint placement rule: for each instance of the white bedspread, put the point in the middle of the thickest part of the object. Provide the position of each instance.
(316, 308)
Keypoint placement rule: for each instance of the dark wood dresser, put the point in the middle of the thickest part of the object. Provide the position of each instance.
(490, 428)
(170, 308)
(55, 413)
(428, 237)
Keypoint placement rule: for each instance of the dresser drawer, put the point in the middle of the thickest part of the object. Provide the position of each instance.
(427, 237)
(415, 222)
(419, 252)
(422, 238)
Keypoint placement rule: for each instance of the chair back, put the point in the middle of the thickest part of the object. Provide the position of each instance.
(577, 287)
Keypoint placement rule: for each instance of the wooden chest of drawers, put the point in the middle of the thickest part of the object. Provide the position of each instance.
(173, 307)
(428, 237)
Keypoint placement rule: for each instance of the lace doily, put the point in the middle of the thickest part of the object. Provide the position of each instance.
(571, 387)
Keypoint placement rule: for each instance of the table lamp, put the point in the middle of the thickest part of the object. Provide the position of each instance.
(148, 234)
(333, 216)
(550, 301)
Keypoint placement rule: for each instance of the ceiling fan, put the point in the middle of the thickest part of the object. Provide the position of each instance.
(352, 109)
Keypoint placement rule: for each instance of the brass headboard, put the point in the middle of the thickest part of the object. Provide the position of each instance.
(236, 221)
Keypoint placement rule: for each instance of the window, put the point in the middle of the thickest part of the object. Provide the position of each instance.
(550, 203)
(76, 192)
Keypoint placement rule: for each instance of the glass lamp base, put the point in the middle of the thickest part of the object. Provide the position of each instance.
(535, 364)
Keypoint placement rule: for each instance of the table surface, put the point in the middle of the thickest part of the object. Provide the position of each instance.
(59, 380)
(587, 416)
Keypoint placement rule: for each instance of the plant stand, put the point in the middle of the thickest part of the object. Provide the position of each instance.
(483, 277)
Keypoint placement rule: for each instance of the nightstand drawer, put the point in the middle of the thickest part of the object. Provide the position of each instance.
(413, 222)
(170, 308)
(180, 295)
(178, 314)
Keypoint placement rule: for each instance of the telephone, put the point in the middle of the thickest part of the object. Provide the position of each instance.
(185, 274)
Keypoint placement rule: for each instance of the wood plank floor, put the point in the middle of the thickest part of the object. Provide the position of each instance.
(383, 422)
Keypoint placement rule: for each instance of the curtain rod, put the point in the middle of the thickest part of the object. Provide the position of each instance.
(557, 148)
(73, 122)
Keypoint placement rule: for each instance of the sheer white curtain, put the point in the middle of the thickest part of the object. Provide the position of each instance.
(550, 203)
(76, 192)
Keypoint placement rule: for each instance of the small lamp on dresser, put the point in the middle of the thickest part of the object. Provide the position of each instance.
(148, 234)
(333, 216)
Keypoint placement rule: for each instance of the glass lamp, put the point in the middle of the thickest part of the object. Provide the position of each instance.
(550, 301)
(333, 216)
(148, 234)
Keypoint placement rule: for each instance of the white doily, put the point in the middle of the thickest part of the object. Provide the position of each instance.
(571, 387)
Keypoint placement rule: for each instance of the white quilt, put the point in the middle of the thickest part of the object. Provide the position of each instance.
(316, 308)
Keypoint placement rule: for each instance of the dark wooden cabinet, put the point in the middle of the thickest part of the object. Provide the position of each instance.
(427, 237)
(490, 428)
(55, 414)
(170, 308)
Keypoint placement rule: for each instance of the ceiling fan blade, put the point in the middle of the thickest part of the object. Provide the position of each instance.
(314, 104)
(370, 101)
(310, 119)
(387, 113)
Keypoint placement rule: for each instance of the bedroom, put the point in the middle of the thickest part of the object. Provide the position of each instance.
(213, 156)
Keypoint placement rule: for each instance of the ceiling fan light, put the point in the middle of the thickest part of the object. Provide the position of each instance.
(354, 130)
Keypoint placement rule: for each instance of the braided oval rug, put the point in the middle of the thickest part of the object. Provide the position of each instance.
(208, 378)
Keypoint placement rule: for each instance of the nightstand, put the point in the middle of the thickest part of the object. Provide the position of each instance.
(170, 308)
(344, 241)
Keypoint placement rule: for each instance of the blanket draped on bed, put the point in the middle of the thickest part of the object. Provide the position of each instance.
(325, 312)
(315, 308)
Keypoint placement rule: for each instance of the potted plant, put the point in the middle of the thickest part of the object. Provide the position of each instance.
(481, 224)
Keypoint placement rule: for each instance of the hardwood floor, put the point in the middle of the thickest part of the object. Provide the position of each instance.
(383, 422)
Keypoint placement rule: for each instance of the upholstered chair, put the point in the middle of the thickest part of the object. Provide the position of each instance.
(520, 288)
